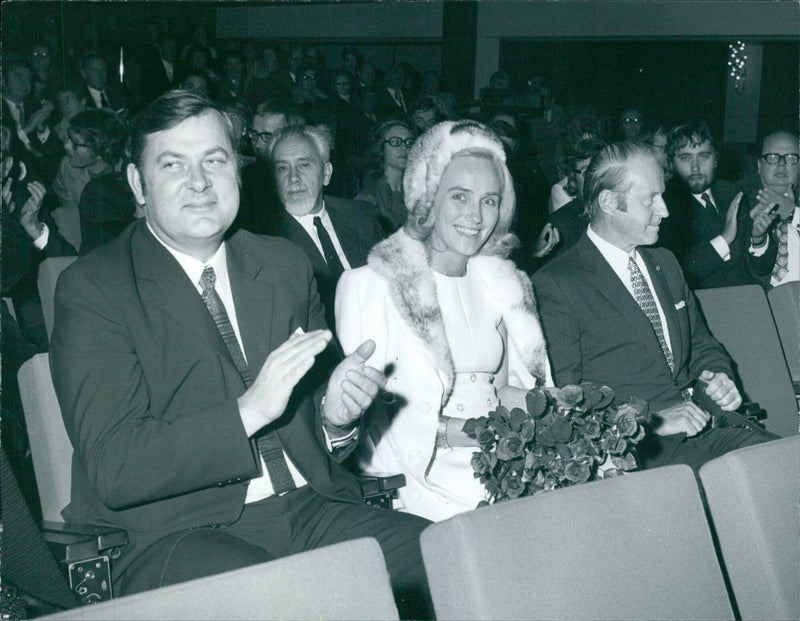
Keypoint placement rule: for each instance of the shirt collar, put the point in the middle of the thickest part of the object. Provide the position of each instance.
(194, 267)
(308, 220)
(699, 197)
(616, 257)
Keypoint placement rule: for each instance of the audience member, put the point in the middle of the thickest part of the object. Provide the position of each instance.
(44, 74)
(259, 205)
(309, 98)
(709, 228)
(336, 234)
(366, 75)
(391, 99)
(98, 91)
(655, 135)
(424, 113)
(196, 82)
(107, 206)
(233, 83)
(382, 185)
(161, 72)
(453, 320)
(70, 101)
(140, 368)
(498, 90)
(776, 216)
(265, 68)
(620, 314)
(445, 102)
(26, 119)
(629, 124)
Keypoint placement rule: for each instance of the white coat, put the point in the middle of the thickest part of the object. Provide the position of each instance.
(392, 300)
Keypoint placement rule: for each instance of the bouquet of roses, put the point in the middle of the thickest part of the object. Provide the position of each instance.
(568, 435)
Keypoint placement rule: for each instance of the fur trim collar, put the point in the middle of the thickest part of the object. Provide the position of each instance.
(403, 262)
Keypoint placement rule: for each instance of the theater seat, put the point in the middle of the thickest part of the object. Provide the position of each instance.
(753, 495)
(785, 304)
(49, 270)
(343, 581)
(740, 319)
(633, 547)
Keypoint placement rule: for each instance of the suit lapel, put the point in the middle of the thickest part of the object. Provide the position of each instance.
(254, 294)
(164, 285)
(293, 231)
(609, 286)
(347, 235)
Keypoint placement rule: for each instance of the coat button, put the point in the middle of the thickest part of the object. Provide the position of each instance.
(424, 407)
(415, 456)
(488, 403)
(472, 377)
(460, 407)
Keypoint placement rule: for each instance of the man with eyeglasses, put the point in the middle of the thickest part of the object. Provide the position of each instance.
(711, 225)
(777, 200)
(259, 206)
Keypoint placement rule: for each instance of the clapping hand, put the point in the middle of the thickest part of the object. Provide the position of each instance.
(353, 387)
(731, 223)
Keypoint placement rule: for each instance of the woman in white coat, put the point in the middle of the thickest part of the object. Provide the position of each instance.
(453, 321)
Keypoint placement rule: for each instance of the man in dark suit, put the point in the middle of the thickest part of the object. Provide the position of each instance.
(622, 315)
(160, 72)
(336, 234)
(391, 98)
(710, 228)
(177, 347)
(98, 91)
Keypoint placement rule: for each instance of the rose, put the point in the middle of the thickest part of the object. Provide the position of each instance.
(485, 437)
(580, 448)
(517, 418)
(625, 462)
(626, 421)
(572, 395)
(510, 446)
(613, 443)
(592, 427)
(512, 487)
(528, 430)
(482, 463)
(561, 429)
(577, 472)
(536, 401)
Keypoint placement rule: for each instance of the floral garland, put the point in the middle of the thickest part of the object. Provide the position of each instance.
(568, 436)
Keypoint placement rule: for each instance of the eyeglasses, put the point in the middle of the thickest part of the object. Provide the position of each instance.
(45, 54)
(630, 119)
(580, 171)
(396, 141)
(256, 136)
(660, 147)
(74, 141)
(309, 77)
(790, 159)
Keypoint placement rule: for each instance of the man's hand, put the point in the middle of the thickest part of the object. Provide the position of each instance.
(762, 215)
(38, 119)
(731, 225)
(29, 214)
(768, 196)
(266, 400)
(685, 418)
(352, 387)
(546, 241)
(722, 390)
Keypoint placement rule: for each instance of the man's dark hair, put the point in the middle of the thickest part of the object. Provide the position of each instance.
(102, 132)
(585, 149)
(169, 110)
(90, 56)
(694, 133)
(608, 170)
(11, 61)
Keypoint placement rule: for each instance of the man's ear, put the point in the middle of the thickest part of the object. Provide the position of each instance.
(608, 201)
(135, 181)
(328, 171)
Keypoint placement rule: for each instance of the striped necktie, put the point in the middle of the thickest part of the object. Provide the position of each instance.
(269, 446)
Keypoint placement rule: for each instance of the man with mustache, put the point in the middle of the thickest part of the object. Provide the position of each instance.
(710, 227)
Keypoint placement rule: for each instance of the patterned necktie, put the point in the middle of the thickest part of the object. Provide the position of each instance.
(269, 445)
(331, 257)
(709, 205)
(644, 298)
(781, 267)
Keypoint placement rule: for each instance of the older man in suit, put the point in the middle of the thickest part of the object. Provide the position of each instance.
(617, 313)
(184, 363)
(336, 234)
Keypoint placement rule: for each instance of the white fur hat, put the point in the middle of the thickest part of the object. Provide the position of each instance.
(434, 150)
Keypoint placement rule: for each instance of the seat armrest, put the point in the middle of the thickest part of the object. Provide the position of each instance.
(379, 491)
(73, 542)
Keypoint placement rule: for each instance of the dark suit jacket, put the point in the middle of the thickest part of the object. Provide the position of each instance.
(690, 227)
(148, 389)
(387, 107)
(118, 97)
(358, 231)
(596, 331)
(107, 206)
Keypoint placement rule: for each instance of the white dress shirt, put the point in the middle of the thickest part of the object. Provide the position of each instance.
(618, 260)
(307, 222)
